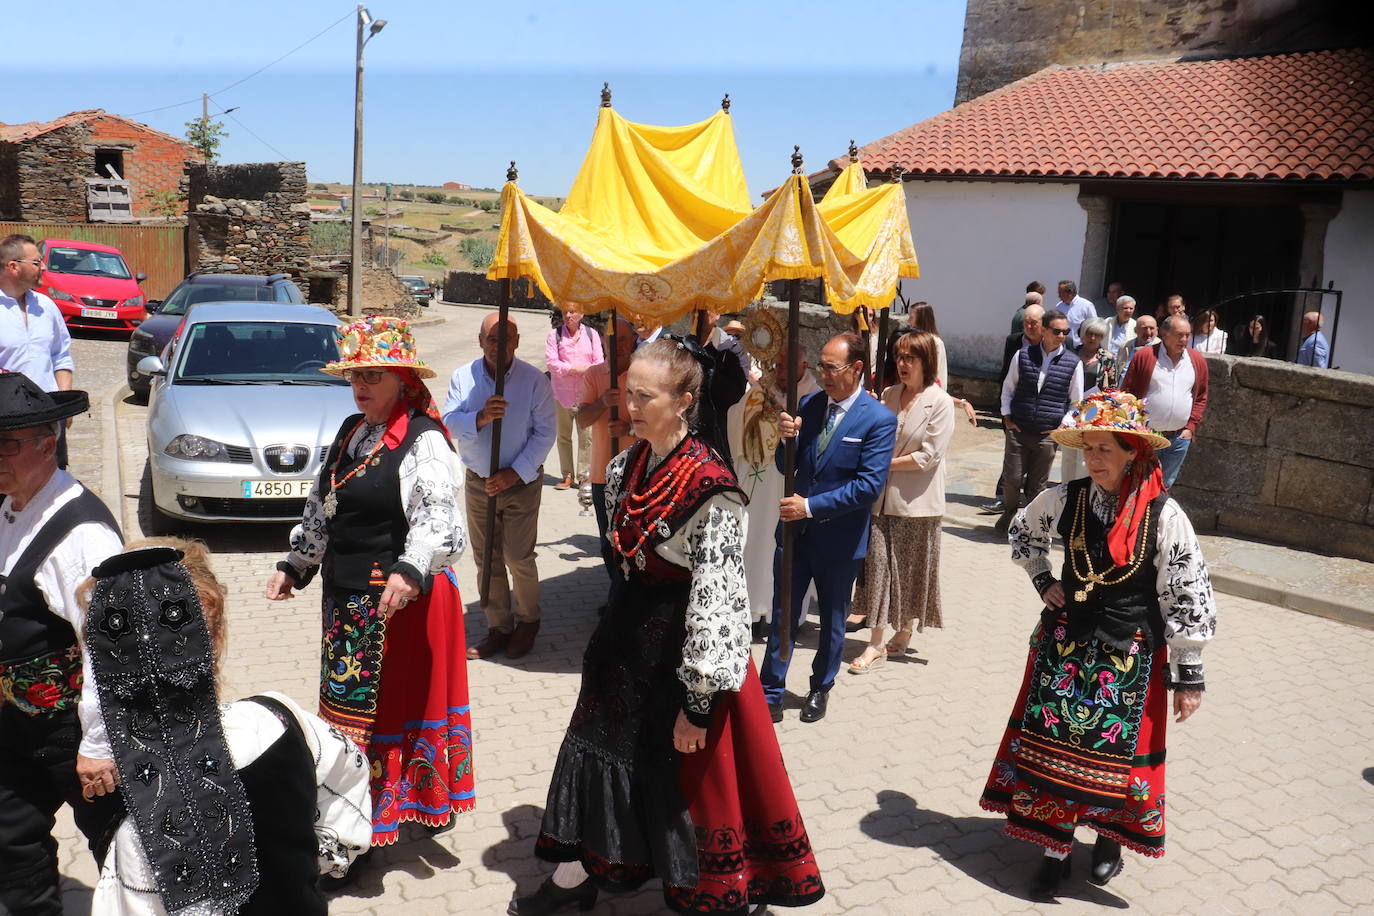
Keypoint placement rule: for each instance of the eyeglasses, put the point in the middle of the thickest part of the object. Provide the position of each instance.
(370, 376)
(907, 358)
(36, 262)
(9, 447)
(827, 369)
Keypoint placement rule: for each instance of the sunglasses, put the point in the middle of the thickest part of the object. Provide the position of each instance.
(1057, 332)
(369, 376)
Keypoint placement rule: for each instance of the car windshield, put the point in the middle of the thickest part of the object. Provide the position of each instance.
(257, 352)
(416, 282)
(189, 294)
(87, 263)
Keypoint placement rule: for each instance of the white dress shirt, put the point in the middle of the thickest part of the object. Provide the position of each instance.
(1170, 397)
(39, 346)
(1077, 311)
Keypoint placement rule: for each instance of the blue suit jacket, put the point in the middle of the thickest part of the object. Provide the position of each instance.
(842, 484)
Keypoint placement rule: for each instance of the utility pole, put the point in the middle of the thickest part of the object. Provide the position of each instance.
(355, 266)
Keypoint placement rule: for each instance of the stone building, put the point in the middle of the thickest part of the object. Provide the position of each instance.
(251, 218)
(1208, 178)
(89, 165)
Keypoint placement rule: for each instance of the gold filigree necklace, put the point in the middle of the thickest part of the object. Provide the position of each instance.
(1078, 549)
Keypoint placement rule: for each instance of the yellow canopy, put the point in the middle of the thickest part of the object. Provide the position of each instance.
(658, 223)
(872, 223)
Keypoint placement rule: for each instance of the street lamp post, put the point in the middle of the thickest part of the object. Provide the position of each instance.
(355, 267)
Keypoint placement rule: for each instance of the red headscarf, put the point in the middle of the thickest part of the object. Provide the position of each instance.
(1141, 484)
(414, 396)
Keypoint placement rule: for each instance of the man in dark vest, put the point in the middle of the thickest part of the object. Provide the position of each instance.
(53, 748)
(1042, 383)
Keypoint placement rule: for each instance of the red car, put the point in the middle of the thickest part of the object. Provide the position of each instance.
(92, 285)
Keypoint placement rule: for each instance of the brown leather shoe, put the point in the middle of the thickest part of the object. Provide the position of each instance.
(494, 642)
(522, 640)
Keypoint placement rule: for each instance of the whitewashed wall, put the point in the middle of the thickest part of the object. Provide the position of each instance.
(1350, 265)
(979, 244)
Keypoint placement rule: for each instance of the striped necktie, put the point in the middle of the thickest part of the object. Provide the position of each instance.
(829, 430)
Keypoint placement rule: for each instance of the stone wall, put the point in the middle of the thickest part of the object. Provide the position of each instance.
(1005, 40)
(252, 218)
(43, 178)
(1284, 455)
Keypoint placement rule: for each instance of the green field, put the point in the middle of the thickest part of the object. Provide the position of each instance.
(428, 250)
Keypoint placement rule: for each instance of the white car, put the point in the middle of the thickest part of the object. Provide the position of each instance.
(240, 416)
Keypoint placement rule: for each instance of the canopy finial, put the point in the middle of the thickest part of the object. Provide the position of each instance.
(853, 151)
(796, 160)
(511, 173)
(895, 174)
(725, 103)
(605, 95)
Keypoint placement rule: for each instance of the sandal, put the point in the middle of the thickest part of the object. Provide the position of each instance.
(565, 484)
(859, 666)
(899, 642)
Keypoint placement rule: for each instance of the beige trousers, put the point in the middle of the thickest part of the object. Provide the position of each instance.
(512, 548)
(567, 428)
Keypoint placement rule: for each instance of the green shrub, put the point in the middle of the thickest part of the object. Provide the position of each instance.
(321, 187)
(479, 252)
(406, 195)
(435, 259)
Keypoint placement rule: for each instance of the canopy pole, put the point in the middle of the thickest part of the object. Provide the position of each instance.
(699, 325)
(870, 377)
(880, 358)
(613, 363)
(789, 452)
(503, 316)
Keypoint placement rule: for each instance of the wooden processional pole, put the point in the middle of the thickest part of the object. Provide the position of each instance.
(789, 460)
(503, 316)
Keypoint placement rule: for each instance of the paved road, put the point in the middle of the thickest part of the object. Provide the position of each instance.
(1272, 782)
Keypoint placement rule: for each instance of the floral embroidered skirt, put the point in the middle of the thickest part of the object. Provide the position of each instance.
(900, 585)
(1085, 745)
(399, 688)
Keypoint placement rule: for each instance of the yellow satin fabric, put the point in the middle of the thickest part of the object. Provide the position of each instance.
(658, 223)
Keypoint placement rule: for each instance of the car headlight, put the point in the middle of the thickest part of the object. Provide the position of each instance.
(141, 342)
(58, 294)
(134, 302)
(196, 447)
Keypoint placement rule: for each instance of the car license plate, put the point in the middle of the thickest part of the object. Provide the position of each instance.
(276, 489)
(111, 314)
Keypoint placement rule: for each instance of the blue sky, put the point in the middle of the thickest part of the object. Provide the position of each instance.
(454, 91)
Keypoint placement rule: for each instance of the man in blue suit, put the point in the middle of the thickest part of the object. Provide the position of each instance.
(845, 438)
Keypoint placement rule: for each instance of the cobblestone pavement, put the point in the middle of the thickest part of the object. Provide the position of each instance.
(1271, 783)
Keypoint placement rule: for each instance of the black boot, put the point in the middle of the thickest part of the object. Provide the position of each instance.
(1107, 862)
(550, 898)
(1045, 887)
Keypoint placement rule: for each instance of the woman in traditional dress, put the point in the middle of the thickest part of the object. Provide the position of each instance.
(569, 352)
(670, 767)
(290, 792)
(900, 585)
(1125, 623)
(384, 523)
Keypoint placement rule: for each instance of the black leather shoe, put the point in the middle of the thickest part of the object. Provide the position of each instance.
(550, 898)
(1003, 525)
(775, 711)
(1107, 862)
(1045, 887)
(813, 710)
(851, 626)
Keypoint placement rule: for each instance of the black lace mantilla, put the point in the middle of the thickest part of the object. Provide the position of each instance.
(151, 654)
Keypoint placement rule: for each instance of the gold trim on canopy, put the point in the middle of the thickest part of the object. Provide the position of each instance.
(872, 223)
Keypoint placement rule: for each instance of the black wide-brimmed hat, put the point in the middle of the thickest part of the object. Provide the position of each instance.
(23, 404)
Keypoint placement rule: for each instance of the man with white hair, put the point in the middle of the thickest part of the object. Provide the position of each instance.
(1314, 350)
(1120, 327)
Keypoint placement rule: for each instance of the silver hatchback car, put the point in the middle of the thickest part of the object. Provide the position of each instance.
(240, 416)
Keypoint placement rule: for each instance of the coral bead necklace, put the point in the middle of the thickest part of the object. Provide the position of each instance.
(331, 499)
(650, 507)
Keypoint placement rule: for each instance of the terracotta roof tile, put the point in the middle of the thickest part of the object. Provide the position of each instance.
(1306, 116)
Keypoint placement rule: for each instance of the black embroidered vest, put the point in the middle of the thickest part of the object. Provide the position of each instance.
(28, 628)
(1110, 613)
(281, 791)
(369, 528)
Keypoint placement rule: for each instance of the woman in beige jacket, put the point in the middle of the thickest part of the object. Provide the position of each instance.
(900, 585)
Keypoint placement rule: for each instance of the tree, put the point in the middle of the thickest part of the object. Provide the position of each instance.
(205, 135)
(434, 197)
(163, 202)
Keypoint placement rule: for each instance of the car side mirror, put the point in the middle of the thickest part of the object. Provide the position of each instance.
(140, 277)
(152, 365)
(152, 305)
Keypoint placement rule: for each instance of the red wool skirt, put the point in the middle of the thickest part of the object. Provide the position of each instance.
(1040, 816)
(421, 746)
